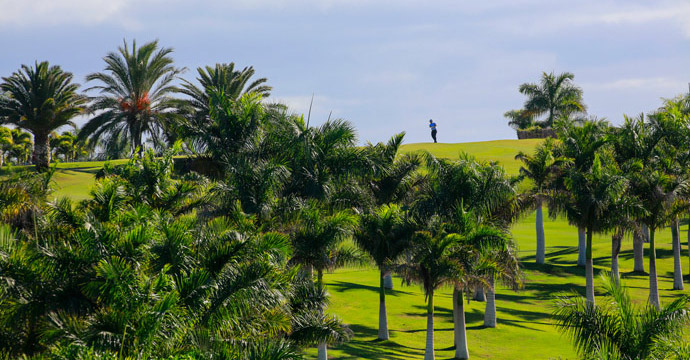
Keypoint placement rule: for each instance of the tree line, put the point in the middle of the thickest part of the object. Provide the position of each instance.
(222, 254)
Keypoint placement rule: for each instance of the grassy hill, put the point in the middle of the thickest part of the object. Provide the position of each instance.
(525, 329)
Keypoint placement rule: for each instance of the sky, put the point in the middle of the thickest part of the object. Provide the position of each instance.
(385, 65)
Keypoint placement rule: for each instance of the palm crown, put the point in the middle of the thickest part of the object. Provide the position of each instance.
(133, 95)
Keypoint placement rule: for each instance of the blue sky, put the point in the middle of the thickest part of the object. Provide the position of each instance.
(385, 65)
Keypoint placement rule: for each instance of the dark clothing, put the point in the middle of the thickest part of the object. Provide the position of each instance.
(433, 134)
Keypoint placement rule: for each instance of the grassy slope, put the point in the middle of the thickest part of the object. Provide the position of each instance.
(524, 326)
(525, 330)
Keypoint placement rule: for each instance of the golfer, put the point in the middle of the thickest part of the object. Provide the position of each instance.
(432, 125)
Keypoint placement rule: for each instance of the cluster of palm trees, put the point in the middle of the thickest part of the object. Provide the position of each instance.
(134, 102)
(236, 251)
(554, 97)
(630, 179)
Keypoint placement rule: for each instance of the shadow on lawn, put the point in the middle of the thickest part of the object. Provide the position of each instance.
(365, 345)
(343, 286)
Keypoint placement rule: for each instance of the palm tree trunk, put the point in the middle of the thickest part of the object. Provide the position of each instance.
(429, 352)
(490, 310)
(383, 316)
(479, 294)
(459, 328)
(322, 348)
(388, 281)
(616, 240)
(589, 268)
(645, 233)
(581, 246)
(541, 242)
(323, 351)
(638, 250)
(677, 269)
(41, 151)
(653, 285)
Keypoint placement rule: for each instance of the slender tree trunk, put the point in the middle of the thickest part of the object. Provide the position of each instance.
(638, 250)
(383, 316)
(41, 151)
(388, 281)
(677, 269)
(581, 246)
(323, 347)
(616, 240)
(459, 328)
(429, 352)
(490, 310)
(479, 294)
(323, 351)
(653, 285)
(589, 268)
(541, 242)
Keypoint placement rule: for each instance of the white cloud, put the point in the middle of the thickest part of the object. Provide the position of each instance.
(51, 12)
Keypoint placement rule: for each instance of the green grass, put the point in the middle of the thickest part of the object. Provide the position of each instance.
(525, 329)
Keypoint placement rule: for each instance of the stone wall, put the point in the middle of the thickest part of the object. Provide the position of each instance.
(536, 133)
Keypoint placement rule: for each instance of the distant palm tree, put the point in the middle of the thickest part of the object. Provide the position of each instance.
(540, 168)
(621, 330)
(554, 95)
(21, 146)
(40, 99)
(221, 78)
(134, 95)
(5, 143)
(385, 235)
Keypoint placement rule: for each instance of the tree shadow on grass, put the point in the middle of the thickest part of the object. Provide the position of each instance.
(365, 345)
(343, 286)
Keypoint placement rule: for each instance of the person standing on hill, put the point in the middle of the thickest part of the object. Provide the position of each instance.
(432, 125)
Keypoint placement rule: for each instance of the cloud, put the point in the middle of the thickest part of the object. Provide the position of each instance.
(52, 12)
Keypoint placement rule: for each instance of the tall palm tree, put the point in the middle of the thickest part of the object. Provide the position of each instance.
(580, 141)
(433, 264)
(385, 235)
(555, 95)
(317, 245)
(134, 95)
(540, 169)
(40, 99)
(392, 178)
(635, 143)
(621, 330)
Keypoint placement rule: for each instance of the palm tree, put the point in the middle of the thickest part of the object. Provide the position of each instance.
(221, 78)
(540, 169)
(40, 99)
(317, 245)
(392, 178)
(21, 146)
(621, 330)
(385, 235)
(580, 141)
(433, 264)
(134, 95)
(635, 143)
(5, 143)
(555, 95)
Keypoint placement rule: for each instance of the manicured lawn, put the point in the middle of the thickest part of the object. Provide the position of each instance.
(525, 329)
